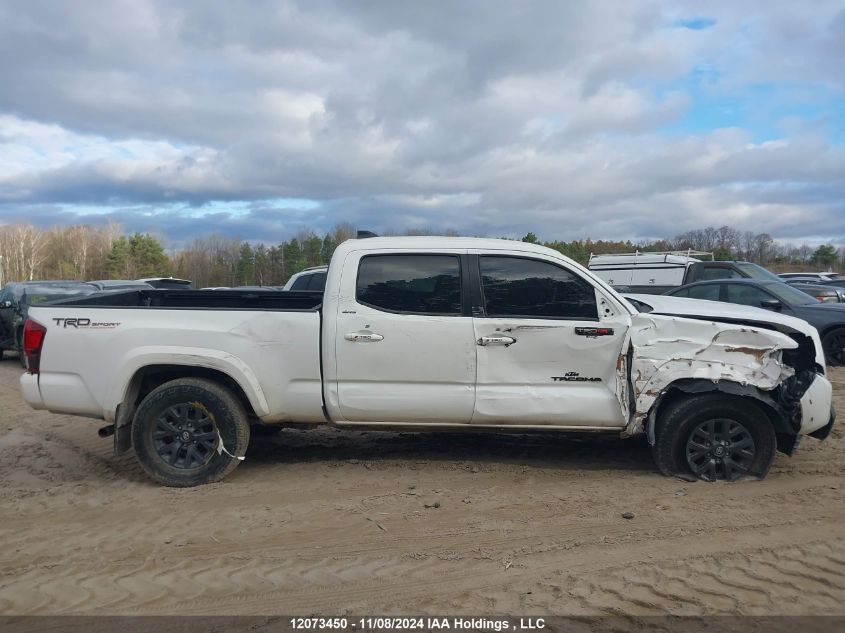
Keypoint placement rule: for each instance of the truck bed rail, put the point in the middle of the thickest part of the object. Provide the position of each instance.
(306, 301)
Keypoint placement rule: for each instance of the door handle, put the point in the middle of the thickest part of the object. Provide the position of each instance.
(363, 337)
(496, 340)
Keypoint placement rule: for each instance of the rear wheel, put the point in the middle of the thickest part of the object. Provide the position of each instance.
(834, 346)
(714, 438)
(189, 432)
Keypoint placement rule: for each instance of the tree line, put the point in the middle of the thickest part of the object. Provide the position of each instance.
(87, 252)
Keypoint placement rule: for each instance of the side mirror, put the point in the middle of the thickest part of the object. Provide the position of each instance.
(771, 304)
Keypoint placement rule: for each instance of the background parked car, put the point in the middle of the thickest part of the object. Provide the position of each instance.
(827, 318)
(15, 299)
(810, 276)
(169, 283)
(313, 279)
(657, 273)
(826, 294)
(120, 284)
(837, 283)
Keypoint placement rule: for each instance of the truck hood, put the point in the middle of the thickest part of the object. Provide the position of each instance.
(728, 313)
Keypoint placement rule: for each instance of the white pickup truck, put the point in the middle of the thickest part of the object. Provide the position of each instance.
(428, 333)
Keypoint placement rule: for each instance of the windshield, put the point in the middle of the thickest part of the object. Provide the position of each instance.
(757, 272)
(790, 295)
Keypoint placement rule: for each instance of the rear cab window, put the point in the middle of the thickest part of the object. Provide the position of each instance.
(411, 283)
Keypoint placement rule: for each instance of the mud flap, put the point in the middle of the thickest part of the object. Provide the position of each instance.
(122, 431)
(787, 443)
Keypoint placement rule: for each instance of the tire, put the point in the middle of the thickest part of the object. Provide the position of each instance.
(177, 429)
(742, 441)
(833, 343)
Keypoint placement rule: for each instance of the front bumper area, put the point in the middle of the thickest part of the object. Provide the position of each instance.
(817, 407)
(822, 433)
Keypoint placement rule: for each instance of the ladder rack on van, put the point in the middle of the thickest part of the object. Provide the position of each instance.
(686, 253)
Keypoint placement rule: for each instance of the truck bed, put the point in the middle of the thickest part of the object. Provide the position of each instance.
(200, 300)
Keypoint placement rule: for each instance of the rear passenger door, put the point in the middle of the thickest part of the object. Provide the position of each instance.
(405, 345)
(545, 355)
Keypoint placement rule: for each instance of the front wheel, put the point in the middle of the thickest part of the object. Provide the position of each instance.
(714, 438)
(833, 344)
(189, 432)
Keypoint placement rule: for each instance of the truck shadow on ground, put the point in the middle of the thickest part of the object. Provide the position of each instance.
(379, 449)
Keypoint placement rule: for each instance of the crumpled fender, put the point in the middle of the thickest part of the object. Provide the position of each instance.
(667, 349)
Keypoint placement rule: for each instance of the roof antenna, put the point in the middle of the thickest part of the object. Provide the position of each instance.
(361, 235)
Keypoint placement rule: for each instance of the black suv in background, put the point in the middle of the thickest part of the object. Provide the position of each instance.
(827, 318)
(15, 299)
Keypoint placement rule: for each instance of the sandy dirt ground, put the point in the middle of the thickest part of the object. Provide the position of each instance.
(328, 522)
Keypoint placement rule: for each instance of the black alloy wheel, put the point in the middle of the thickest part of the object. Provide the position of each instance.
(184, 436)
(720, 450)
(714, 437)
(189, 432)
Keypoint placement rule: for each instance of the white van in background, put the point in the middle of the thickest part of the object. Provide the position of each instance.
(656, 273)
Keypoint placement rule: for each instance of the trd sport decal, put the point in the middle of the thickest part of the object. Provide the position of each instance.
(574, 376)
(85, 323)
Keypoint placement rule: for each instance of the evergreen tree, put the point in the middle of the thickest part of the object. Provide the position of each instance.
(147, 256)
(135, 257)
(262, 266)
(825, 256)
(327, 249)
(291, 258)
(312, 251)
(119, 258)
(245, 267)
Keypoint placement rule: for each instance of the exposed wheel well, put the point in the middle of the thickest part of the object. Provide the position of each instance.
(148, 378)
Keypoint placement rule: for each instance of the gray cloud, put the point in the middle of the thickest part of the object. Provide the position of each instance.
(486, 117)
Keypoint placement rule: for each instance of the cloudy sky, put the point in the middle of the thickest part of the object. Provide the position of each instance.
(570, 119)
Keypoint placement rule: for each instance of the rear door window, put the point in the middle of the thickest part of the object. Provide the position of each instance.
(413, 284)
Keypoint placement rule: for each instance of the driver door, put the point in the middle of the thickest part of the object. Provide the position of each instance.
(548, 347)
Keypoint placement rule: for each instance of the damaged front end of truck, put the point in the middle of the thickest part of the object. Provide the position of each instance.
(775, 363)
